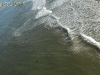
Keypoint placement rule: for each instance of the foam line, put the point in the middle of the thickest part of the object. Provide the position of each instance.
(90, 40)
(43, 12)
(65, 28)
(57, 19)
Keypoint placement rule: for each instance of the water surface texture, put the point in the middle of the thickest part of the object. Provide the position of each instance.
(44, 37)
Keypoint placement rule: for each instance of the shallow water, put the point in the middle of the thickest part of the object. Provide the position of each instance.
(45, 53)
(32, 47)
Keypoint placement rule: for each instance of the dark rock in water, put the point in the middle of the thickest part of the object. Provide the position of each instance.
(38, 60)
(33, 50)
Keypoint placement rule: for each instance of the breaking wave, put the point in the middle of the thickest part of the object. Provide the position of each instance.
(77, 17)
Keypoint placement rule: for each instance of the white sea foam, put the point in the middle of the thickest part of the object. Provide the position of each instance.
(16, 33)
(70, 17)
(90, 40)
(57, 3)
(43, 12)
(38, 4)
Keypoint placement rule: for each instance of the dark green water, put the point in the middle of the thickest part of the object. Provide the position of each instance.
(42, 52)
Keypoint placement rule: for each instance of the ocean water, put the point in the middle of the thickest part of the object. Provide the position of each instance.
(50, 37)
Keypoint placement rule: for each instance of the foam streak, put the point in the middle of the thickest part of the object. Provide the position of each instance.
(90, 40)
